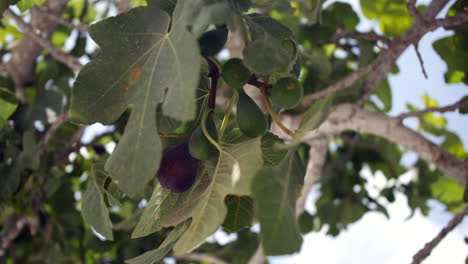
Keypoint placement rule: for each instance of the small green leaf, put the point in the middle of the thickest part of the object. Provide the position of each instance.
(94, 208)
(150, 219)
(274, 192)
(315, 115)
(240, 213)
(154, 256)
(272, 153)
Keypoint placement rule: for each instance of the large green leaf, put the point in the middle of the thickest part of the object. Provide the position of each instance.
(274, 192)
(232, 174)
(94, 208)
(141, 65)
(393, 15)
(154, 256)
(453, 50)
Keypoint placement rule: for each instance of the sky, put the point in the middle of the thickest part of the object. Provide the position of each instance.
(375, 239)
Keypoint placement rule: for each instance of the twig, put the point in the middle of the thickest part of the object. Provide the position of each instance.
(53, 129)
(78, 26)
(447, 22)
(258, 257)
(13, 233)
(202, 257)
(70, 61)
(273, 114)
(253, 80)
(427, 249)
(461, 103)
(342, 84)
(124, 6)
(214, 77)
(421, 62)
(317, 153)
(371, 36)
(411, 5)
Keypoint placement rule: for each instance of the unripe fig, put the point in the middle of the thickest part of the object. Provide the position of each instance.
(286, 92)
(235, 73)
(199, 145)
(250, 118)
(178, 170)
(212, 42)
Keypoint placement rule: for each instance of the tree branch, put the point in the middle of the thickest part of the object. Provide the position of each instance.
(258, 257)
(346, 117)
(411, 5)
(379, 69)
(53, 129)
(453, 107)
(24, 55)
(58, 19)
(11, 234)
(371, 36)
(421, 62)
(202, 257)
(68, 60)
(317, 153)
(427, 249)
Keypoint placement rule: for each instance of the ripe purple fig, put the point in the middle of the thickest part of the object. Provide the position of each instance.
(178, 169)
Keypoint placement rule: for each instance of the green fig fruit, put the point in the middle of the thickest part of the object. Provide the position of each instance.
(250, 118)
(212, 42)
(199, 145)
(235, 73)
(286, 92)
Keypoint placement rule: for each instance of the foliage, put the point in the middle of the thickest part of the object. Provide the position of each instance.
(153, 81)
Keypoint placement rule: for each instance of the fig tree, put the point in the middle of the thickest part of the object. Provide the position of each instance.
(199, 145)
(235, 73)
(286, 92)
(178, 170)
(250, 118)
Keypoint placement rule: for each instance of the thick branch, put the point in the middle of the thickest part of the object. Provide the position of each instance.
(317, 153)
(350, 117)
(461, 103)
(202, 257)
(258, 257)
(70, 61)
(58, 19)
(427, 249)
(379, 69)
(24, 55)
(11, 234)
(371, 36)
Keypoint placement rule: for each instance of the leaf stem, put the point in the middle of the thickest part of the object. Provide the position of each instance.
(225, 122)
(205, 130)
(214, 76)
(273, 114)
